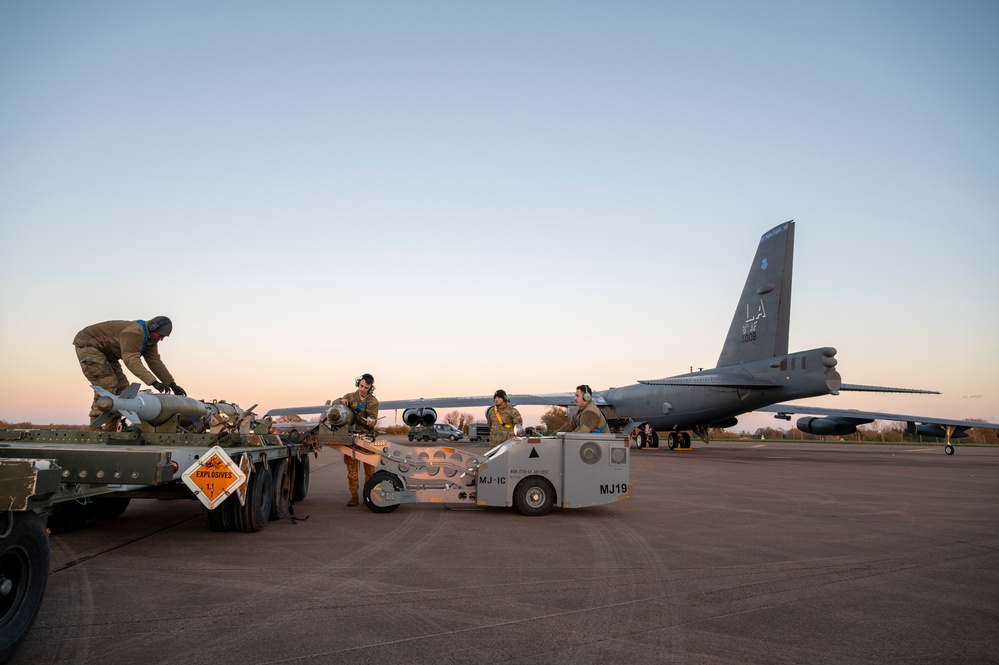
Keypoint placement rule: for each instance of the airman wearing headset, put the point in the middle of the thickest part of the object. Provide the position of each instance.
(587, 417)
(364, 405)
(100, 347)
(501, 418)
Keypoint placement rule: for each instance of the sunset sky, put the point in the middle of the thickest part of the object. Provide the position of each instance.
(463, 196)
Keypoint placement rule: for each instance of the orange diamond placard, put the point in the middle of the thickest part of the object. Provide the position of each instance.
(213, 477)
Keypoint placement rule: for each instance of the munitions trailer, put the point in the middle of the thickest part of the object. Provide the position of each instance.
(172, 447)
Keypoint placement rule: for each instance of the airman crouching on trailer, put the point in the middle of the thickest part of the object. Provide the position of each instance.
(101, 346)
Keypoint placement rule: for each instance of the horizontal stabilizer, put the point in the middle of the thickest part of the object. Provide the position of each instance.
(884, 389)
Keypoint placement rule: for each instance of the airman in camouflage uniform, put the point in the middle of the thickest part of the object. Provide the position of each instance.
(587, 417)
(501, 418)
(364, 405)
(99, 348)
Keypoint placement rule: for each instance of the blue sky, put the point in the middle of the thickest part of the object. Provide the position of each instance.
(458, 197)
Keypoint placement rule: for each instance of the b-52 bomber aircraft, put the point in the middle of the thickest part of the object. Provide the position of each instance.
(755, 372)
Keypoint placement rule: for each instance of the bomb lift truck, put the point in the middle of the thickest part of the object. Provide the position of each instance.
(532, 474)
(165, 447)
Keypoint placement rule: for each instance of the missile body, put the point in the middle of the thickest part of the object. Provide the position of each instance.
(146, 406)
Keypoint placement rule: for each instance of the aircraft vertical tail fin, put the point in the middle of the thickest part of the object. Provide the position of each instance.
(763, 316)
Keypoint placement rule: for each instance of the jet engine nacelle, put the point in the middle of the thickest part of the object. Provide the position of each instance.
(935, 431)
(829, 425)
(424, 416)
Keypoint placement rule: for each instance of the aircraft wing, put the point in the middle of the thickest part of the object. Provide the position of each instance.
(789, 409)
(555, 399)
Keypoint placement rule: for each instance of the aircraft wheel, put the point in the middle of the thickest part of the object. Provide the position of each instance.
(282, 490)
(648, 439)
(24, 572)
(949, 449)
(671, 440)
(534, 496)
(375, 504)
(685, 438)
(302, 471)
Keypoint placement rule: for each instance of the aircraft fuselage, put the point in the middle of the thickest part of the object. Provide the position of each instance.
(702, 399)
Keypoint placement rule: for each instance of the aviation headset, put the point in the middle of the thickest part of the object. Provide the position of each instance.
(161, 324)
(587, 393)
(501, 394)
(365, 377)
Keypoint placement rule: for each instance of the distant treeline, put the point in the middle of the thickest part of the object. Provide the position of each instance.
(27, 425)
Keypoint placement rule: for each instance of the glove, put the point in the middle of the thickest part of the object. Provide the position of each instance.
(160, 386)
(177, 390)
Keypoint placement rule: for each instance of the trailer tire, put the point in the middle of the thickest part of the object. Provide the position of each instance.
(67, 516)
(378, 478)
(302, 470)
(534, 496)
(253, 516)
(24, 572)
(108, 507)
(282, 489)
(223, 517)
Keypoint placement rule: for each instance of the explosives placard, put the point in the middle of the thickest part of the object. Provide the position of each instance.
(214, 477)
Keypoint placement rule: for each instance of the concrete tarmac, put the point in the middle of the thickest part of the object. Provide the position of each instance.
(727, 553)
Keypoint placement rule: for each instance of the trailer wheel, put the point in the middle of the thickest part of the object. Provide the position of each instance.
(377, 479)
(67, 516)
(253, 516)
(282, 489)
(24, 572)
(223, 518)
(534, 496)
(108, 507)
(301, 478)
